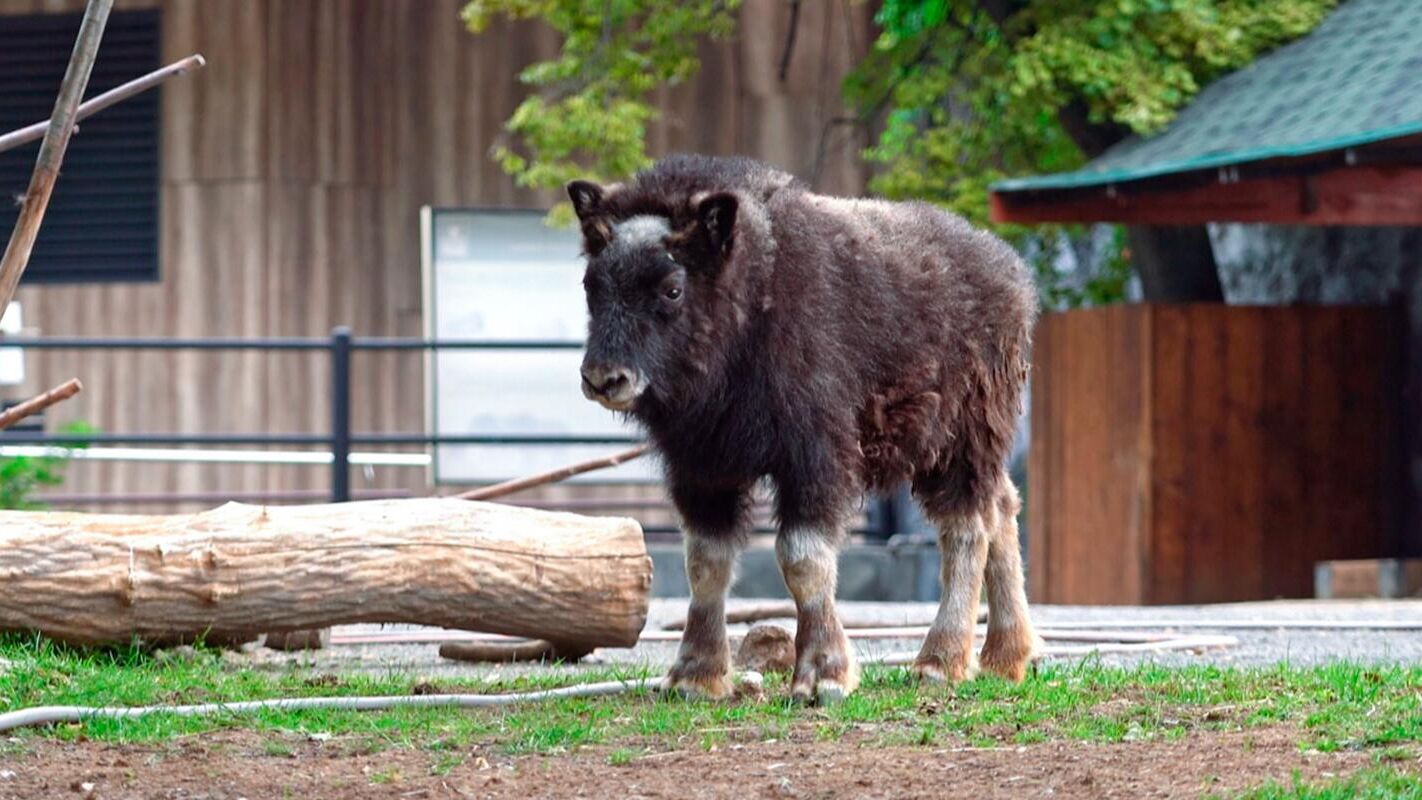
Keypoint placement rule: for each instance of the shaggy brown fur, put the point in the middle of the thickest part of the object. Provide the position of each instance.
(834, 346)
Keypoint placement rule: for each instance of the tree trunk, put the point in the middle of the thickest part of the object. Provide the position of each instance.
(1176, 264)
(240, 570)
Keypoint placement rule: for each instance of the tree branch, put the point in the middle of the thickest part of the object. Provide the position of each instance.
(790, 39)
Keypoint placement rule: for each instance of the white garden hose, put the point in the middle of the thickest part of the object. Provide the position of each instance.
(48, 715)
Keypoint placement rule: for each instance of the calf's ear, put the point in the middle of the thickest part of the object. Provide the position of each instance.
(586, 197)
(716, 214)
(587, 203)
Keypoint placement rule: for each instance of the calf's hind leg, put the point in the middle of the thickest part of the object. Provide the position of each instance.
(824, 665)
(1011, 641)
(947, 653)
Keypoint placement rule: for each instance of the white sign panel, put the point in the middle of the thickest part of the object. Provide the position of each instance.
(12, 359)
(496, 275)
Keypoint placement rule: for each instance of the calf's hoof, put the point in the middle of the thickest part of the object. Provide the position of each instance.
(825, 681)
(828, 693)
(941, 669)
(822, 692)
(1007, 654)
(697, 682)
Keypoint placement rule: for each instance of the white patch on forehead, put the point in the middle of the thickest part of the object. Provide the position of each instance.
(640, 230)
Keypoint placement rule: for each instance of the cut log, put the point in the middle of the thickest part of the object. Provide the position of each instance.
(240, 570)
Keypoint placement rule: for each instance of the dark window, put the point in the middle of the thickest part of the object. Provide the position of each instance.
(102, 221)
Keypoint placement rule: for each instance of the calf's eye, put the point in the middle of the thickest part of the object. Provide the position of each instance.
(673, 293)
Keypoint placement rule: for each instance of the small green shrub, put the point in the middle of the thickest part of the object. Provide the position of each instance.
(22, 476)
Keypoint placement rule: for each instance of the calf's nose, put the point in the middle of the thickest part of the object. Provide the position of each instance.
(607, 381)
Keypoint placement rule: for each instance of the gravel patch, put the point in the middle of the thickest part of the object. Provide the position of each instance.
(1261, 644)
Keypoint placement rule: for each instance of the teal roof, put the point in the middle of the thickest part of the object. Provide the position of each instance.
(1356, 79)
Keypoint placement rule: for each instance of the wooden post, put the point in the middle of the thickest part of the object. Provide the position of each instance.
(51, 154)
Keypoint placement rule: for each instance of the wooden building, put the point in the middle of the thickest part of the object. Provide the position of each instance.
(290, 176)
(1200, 453)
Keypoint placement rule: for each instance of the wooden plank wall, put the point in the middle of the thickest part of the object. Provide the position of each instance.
(294, 167)
(1199, 453)
(1087, 495)
(1274, 446)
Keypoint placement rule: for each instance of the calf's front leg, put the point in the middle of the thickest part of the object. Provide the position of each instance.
(703, 664)
(824, 665)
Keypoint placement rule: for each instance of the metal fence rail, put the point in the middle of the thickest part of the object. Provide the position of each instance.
(340, 346)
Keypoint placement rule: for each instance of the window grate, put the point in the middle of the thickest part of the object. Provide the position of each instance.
(102, 221)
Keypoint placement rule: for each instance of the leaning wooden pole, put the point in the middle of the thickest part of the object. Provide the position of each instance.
(51, 154)
(237, 571)
(34, 405)
(554, 475)
(137, 86)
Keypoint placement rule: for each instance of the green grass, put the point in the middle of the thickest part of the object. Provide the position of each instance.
(1382, 783)
(622, 756)
(1332, 708)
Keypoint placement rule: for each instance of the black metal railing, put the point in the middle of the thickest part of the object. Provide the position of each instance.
(885, 516)
(340, 346)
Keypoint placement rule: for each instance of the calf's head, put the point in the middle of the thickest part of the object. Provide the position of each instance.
(648, 275)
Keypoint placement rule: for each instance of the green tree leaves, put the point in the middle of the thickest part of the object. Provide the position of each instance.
(589, 112)
(961, 92)
(972, 90)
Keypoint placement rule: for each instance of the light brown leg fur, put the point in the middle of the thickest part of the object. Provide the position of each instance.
(824, 665)
(1011, 641)
(703, 664)
(947, 653)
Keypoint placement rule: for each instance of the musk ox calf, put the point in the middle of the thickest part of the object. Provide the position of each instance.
(760, 331)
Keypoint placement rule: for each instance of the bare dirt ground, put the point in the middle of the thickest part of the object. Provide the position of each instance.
(238, 764)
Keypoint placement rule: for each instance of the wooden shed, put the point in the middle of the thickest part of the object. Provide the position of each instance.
(1203, 453)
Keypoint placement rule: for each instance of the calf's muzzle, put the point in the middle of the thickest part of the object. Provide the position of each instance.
(616, 388)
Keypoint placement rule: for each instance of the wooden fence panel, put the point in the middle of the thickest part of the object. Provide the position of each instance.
(1207, 453)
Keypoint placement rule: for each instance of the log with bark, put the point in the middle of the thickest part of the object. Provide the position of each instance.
(238, 570)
